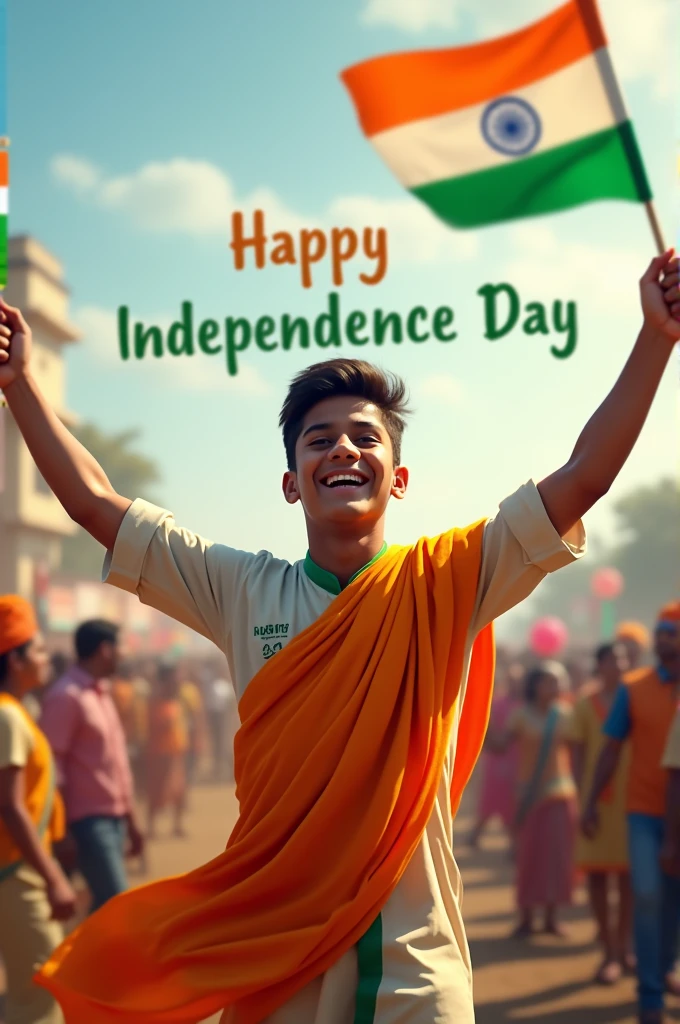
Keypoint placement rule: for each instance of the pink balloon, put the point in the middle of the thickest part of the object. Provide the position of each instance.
(607, 584)
(548, 637)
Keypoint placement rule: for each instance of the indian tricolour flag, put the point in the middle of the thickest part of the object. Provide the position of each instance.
(4, 204)
(525, 124)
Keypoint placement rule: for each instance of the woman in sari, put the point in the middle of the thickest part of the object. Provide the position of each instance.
(498, 789)
(546, 815)
(604, 858)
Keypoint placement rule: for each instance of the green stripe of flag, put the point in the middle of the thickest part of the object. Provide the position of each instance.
(606, 165)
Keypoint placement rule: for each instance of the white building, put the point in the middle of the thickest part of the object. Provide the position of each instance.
(32, 522)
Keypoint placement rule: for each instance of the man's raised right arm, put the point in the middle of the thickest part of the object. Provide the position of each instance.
(74, 476)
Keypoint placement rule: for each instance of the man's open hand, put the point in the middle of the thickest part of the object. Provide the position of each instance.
(660, 295)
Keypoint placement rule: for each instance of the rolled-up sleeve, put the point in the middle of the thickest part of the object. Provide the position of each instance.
(175, 571)
(521, 546)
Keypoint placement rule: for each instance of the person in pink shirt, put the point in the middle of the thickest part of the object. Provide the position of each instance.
(82, 725)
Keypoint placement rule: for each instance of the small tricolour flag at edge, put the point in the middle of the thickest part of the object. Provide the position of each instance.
(4, 214)
(525, 124)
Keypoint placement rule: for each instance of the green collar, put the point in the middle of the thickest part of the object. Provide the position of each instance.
(327, 580)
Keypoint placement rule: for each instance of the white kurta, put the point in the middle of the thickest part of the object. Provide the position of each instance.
(413, 964)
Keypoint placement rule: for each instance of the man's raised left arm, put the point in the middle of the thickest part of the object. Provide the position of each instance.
(610, 435)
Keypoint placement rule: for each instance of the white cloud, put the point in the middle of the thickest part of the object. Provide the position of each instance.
(608, 275)
(641, 33)
(411, 15)
(414, 234)
(188, 196)
(190, 373)
(441, 387)
(79, 174)
(197, 198)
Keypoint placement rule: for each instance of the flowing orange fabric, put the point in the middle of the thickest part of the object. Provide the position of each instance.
(338, 761)
(37, 778)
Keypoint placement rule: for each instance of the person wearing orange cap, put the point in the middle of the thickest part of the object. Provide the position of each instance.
(636, 639)
(34, 894)
(642, 712)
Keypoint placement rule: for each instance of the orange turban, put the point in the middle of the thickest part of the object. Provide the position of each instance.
(633, 631)
(670, 612)
(17, 622)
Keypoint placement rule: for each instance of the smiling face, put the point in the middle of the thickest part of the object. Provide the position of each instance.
(345, 473)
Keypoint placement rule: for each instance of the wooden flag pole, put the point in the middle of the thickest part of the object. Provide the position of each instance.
(655, 226)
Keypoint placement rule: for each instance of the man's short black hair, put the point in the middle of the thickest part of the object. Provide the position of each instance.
(4, 660)
(92, 634)
(350, 377)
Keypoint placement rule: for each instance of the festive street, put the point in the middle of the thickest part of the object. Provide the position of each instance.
(544, 980)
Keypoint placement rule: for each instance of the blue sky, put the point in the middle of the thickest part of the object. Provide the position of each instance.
(136, 128)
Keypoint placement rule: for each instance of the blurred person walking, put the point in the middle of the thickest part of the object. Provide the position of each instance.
(604, 857)
(167, 752)
(132, 713)
(192, 703)
(498, 789)
(643, 711)
(80, 720)
(34, 894)
(220, 702)
(546, 816)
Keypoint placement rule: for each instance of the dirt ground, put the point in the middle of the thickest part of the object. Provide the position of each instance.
(542, 980)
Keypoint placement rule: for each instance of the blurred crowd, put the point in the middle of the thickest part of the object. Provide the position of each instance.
(581, 765)
(98, 754)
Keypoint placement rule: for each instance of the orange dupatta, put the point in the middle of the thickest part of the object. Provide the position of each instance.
(41, 798)
(338, 761)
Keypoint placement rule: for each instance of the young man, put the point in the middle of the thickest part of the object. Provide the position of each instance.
(604, 859)
(642, 712)
(82, 724)
(364, 678)
(34, 894)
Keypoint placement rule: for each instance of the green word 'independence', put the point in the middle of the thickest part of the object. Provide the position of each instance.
(502, 312)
